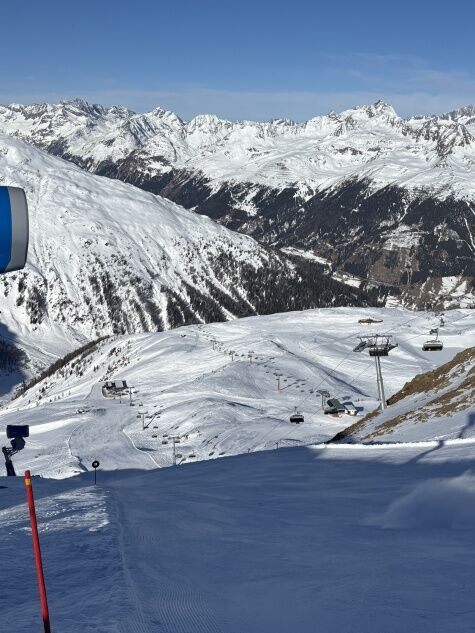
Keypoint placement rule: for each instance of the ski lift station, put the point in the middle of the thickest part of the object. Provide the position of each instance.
(113, 388)
(334, 406)
(350, 408)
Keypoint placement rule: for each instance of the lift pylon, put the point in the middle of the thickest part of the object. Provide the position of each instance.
(377, 345)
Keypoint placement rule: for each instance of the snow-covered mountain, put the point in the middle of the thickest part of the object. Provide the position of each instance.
(107, 258)
(369, 142)
(378, 196)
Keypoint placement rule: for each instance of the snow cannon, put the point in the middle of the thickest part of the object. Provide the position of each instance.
(16, 434)
(14, 229)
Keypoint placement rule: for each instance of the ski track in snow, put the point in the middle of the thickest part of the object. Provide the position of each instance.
(274, 541)
(174, 606)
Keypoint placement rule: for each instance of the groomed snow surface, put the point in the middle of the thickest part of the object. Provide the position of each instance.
(303, 539)
(309, 537)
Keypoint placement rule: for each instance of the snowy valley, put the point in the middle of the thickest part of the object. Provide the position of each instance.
(224, 389)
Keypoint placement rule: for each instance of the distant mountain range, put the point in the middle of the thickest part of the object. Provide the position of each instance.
(372, 195)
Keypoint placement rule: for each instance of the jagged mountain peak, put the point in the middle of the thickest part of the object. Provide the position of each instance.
(209, 124)
(80, 105)
(447, 135)
(466, 112)
(166, 116)
(377, 109)
(382, 107)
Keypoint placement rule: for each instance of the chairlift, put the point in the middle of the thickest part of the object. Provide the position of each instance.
(378, 350)
(297, 418)
(433, 346)
(377, 344)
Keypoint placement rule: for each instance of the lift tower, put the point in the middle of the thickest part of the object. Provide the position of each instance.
(377, 345)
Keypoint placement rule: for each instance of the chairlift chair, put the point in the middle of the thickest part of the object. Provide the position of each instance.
(433, 346)
(297, 418)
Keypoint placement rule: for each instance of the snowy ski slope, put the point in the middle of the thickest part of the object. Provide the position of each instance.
(332, 539)
(308, 537)
(188, 386)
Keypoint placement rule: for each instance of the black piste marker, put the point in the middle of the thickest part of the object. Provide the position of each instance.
(95, 465)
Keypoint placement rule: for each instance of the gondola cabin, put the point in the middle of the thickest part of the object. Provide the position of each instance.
(296, 418)
(433, 346)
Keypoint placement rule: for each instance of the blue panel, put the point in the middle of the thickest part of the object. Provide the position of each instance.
(5, 229)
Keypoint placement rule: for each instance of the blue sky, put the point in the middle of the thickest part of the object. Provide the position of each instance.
(254, 60)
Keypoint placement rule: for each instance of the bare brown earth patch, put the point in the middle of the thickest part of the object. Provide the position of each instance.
(437, 379)
(459, 398)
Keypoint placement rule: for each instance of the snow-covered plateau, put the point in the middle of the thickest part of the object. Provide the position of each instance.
(260, 527)
(384, 199)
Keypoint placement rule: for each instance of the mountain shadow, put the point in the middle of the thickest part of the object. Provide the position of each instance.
(13, 361)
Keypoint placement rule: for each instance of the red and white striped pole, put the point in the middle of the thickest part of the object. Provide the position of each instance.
(37, 552)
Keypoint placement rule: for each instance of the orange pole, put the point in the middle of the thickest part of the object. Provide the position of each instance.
(37, 552)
